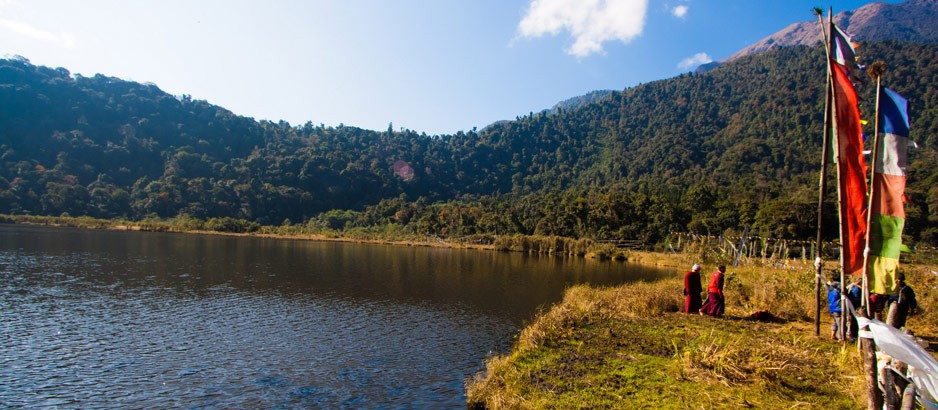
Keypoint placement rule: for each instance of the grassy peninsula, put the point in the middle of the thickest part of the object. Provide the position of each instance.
(630, 347)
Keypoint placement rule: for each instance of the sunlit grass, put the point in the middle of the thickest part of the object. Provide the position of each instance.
(629, 347)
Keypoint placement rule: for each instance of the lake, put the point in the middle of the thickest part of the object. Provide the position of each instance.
(92, 319)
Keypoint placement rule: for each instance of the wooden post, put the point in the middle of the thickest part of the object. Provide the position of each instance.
(868, 351)
(908, 398)
(892, 385)
(892, 315)
(890, 395)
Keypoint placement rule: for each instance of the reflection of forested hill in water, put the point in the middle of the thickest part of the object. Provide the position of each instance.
(737, 146)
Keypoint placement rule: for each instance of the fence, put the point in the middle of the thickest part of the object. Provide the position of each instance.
(746, 249)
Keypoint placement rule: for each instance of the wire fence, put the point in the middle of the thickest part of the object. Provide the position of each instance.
(747, 249)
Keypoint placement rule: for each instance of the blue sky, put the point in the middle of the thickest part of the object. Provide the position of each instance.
(434, 66)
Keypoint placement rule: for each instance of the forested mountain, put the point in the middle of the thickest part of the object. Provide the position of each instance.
(736, 147)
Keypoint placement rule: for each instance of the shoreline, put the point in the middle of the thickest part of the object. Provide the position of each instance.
(648, 258)
(107, 225)
(605, 253)
(324, 238)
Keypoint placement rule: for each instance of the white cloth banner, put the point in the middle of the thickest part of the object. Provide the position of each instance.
(923, 368)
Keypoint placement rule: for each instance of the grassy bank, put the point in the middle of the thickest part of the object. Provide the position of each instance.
(629, 347)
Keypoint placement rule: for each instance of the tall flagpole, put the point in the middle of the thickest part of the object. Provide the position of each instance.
(823, 180)
(867, 346)
(875, 71)
(866, 343)
(840, 194)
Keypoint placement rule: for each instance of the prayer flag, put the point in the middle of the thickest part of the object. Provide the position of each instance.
(842, 49)
(851, 171)
(843, 52)
(888, 191)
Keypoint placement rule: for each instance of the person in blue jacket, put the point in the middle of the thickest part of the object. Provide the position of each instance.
(834, 307)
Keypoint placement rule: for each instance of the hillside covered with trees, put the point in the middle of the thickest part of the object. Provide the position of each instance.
(736, 147)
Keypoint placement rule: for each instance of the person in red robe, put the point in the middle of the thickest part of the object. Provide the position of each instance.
(715, 304)
(692, 289)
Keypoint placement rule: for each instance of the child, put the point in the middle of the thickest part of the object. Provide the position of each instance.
(833, 305)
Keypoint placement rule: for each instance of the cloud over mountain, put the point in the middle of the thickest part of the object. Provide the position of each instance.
(694, 61)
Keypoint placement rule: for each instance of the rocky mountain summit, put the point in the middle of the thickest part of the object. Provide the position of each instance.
(914, 21)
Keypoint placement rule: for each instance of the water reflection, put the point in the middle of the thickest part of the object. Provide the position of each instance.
(128, 319)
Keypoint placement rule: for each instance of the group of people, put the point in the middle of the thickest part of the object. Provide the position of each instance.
(715, 304)
(904, 300)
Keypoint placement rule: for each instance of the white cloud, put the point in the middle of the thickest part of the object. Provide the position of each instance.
(24, 29)
(679, 11)
(694, 61)
(590, 22)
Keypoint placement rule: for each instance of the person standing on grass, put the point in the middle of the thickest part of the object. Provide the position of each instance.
(692, 289)
(906, 301)
(715, 305)
(833, 306)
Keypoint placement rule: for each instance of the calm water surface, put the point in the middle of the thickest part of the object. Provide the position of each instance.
(93, 319)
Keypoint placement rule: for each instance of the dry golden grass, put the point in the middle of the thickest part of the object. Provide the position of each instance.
(628, 347)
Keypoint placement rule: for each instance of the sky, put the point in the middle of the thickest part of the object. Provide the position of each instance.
(433, 66)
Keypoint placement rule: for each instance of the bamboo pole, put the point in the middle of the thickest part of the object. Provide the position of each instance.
(840, 193)
(876, 70)
(822, 184)
(867, 345)
(890, 386)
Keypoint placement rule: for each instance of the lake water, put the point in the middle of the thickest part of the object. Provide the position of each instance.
(92, 319)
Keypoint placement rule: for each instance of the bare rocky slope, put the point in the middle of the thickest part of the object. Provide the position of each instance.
(913, 21)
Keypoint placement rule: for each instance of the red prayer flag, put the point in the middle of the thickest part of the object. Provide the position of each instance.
(851, 170)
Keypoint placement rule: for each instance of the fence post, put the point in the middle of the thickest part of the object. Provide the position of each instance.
(868, 350)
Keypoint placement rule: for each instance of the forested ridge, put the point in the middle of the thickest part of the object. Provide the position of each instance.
(736, 147)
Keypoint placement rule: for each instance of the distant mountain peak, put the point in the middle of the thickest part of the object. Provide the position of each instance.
(579, 101)
(914, 21)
